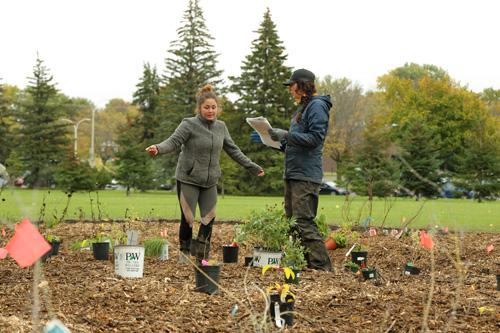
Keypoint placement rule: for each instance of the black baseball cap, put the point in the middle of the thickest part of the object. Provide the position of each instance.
(300, 75)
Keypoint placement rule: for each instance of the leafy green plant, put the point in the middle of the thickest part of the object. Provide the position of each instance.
(294, 255)
(340, 239)
(359, 248)
(153, 246)
(267, 229)
(323, 228)
(351, 266)
(51, 238)
(118, 235)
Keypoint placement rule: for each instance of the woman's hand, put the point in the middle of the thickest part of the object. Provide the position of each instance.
(152, 150)
(261, 173)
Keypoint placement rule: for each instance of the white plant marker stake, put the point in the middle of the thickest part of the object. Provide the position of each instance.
(350, 250)
(280, 322)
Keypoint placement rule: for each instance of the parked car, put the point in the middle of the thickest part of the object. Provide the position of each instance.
(330, 187)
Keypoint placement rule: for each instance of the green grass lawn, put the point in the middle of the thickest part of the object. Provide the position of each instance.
(457, 214)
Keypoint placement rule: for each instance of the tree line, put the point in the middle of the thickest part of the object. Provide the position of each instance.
(416, 130)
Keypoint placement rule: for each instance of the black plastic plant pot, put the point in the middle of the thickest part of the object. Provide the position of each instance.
(229, 254)
(46, 255)
(411, 270)
(286, 306)
(55, 248)
(203, 284)
(498, 282)
(369, 274)
(100, 250)
(360, 258)
(294, 280)
(248, 261)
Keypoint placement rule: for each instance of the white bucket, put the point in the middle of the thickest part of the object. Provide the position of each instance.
(129, 261)
(262, 258)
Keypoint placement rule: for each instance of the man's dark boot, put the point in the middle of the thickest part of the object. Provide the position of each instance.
(317, 257)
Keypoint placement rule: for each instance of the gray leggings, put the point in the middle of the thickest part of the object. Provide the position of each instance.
(191, 196)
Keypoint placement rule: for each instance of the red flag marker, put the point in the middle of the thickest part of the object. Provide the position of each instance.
(489, 248)
(27, 245)
(426, 240)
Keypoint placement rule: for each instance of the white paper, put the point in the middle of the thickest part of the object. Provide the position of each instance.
(261, 125)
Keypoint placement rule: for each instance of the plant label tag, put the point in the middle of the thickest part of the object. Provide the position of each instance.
(132, 237)
(55, 326)
(164, 252)
(277, 316)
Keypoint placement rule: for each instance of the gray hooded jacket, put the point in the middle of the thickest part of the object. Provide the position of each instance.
(201, 142)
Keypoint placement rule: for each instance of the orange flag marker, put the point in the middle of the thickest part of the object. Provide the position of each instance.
(27, 245)
(426, 240)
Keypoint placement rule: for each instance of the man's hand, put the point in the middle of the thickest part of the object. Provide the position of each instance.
(277, 134)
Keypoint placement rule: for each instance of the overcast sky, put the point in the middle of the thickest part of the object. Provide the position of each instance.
(96, 48)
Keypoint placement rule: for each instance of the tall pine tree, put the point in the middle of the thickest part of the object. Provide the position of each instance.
(147, 99)
(5, 120)
(191, 63)
(43, 139)
(261, 92)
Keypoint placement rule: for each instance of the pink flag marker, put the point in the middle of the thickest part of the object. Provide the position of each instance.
(3, 232)
(373, 232)
(27, 245)
(489, 248)
(3, 253)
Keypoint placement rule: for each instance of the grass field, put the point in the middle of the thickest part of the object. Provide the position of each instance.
(457, 214)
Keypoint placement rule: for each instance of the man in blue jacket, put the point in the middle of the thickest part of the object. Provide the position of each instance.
(303, 146)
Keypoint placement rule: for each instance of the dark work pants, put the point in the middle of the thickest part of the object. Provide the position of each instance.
(301, 202)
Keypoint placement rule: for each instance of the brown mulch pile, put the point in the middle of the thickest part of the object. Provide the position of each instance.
(87, 295)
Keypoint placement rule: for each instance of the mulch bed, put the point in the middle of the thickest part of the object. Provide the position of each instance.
(87, 295)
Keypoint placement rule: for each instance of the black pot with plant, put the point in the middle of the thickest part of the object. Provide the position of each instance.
(359, 256)
(411, 270)
(100, 250)
(369, 273)
(207, 277)
(286, 306)
(230, 253)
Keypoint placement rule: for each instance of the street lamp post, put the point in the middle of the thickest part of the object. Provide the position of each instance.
(75, 133)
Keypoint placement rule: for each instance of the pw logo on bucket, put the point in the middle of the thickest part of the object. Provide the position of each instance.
(129, 261)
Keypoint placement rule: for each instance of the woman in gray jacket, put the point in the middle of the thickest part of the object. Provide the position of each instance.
(201, 139)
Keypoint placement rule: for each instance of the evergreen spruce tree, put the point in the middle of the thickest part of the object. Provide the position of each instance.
(147, 99)
(5, 120)
(374, 172)
(261, 92)
(191, 63)
(420, 171)
(42, 138)
(134, 165)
